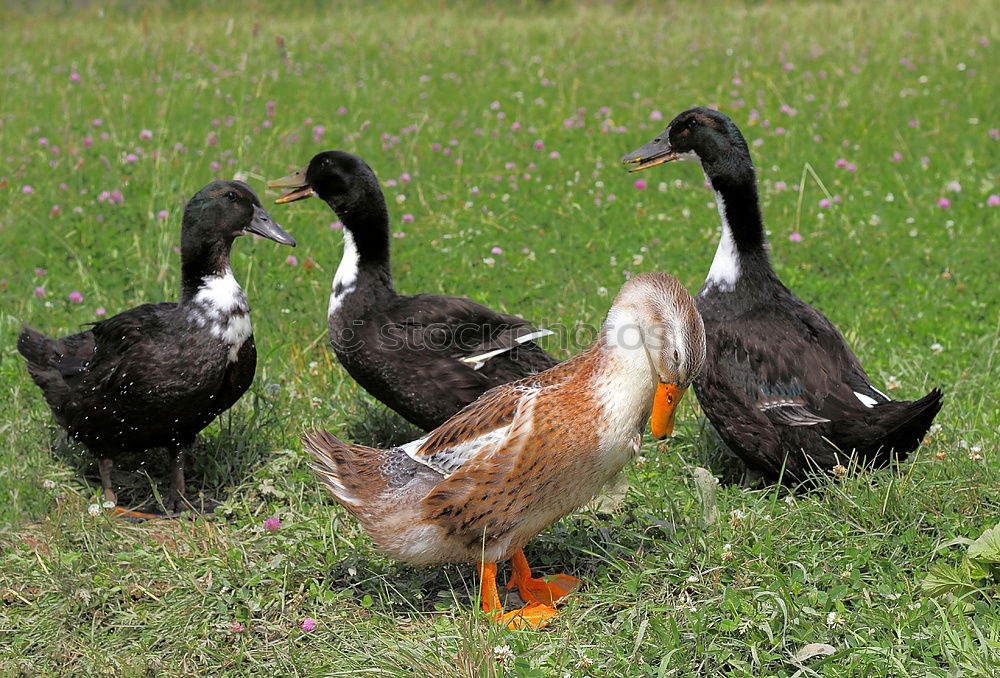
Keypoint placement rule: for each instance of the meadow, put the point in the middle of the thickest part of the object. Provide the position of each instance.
(496, 130)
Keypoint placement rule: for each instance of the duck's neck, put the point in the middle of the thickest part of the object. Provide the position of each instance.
(628, 380)
(201, 261)
(365, 261)
(212, 298)
(742, 247)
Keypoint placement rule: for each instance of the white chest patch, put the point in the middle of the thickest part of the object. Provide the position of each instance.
(221, 306)
(725, 269)
(346, 276)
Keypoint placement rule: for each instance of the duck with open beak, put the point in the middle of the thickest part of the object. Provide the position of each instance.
(297, 185)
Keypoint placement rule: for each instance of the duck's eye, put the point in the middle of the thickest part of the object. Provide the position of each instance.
(232, 196)
(677, 356)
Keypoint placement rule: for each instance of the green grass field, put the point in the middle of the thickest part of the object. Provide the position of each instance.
(508, 121)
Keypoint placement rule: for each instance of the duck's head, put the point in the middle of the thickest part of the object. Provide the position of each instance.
(344, 181)
(653, 312)
(225, 210)
(701, 135)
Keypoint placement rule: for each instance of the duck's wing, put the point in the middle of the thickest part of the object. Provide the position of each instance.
(464, 330)
(492, 427)
(133, 338)
(790, 364)
(134, 330)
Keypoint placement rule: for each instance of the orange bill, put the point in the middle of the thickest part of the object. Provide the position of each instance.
(664, 404)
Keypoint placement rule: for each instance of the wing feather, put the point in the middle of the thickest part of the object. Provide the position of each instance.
(478, 430)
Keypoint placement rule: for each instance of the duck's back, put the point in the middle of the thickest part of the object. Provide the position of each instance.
(408, 352)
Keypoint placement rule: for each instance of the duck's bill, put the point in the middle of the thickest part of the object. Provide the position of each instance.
(650, 155)
(297, 185)
(265, 227)
(661, 424)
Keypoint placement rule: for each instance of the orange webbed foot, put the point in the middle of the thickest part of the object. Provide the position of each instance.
(135, 516)
(534, 616)
(546, 591)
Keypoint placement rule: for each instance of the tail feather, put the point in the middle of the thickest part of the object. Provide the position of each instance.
(43, 354)
(345, 470)
(37, 349)
(911, 421)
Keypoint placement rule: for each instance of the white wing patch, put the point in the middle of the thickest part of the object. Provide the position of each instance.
(448, 460)
(867, 401)
(477, 361)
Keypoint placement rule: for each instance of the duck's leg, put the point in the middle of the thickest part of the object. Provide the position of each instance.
(546, 591)
(104, 465)
(533, 616)
(178, 487)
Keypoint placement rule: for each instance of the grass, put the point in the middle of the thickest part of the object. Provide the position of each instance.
(663, 594)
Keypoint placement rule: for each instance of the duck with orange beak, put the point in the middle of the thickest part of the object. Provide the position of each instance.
(480, 486)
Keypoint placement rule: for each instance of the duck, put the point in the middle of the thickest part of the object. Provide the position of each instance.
(476, 489)
(780, 385)
(155, 375)
(425, 356)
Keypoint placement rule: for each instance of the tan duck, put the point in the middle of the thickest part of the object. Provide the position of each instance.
(525, 454)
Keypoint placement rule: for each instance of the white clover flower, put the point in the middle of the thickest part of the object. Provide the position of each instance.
(108, 504)
(49, 484)
(503, 653)
(937, 348)
(94, 509)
